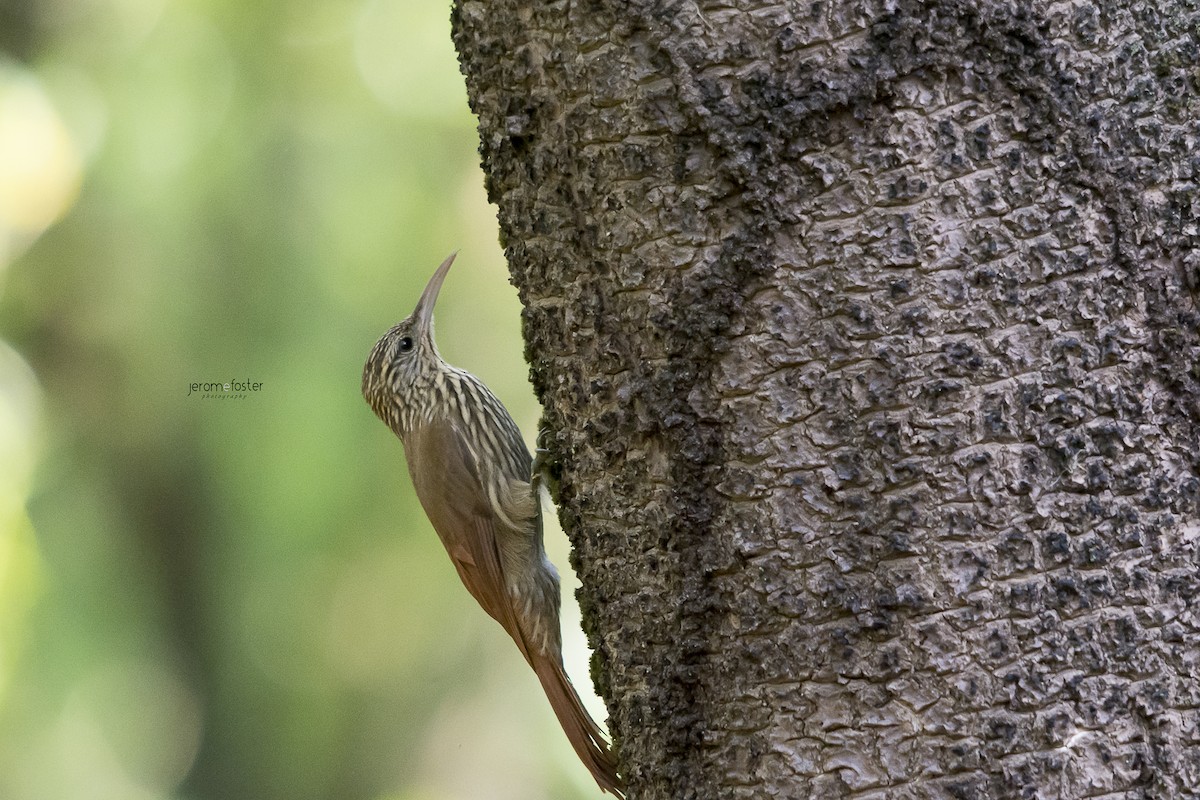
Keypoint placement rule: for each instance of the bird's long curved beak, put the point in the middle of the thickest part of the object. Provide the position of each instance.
(424, 310)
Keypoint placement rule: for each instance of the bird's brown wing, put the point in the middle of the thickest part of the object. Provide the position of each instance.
(451, 491)
(453, 495)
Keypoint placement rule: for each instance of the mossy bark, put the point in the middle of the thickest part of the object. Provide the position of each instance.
(868, 342)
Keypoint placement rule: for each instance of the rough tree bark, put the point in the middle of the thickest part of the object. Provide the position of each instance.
(867, 338)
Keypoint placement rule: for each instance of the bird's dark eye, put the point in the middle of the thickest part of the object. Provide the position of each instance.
(406, 344)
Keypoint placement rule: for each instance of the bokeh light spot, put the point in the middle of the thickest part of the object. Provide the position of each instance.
(40, 166)
(19, 564)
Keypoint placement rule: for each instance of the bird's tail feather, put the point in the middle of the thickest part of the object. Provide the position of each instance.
(582, 731)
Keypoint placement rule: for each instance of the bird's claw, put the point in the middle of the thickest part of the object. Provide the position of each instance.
(539, 471)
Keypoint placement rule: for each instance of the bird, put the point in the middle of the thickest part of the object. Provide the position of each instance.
(479, 487)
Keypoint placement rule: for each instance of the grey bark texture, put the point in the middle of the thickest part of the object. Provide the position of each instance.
(867, 338)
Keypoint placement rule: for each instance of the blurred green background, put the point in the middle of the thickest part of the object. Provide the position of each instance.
(240, 598)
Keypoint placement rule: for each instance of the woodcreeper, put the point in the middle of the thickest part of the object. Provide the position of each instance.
(476, 481)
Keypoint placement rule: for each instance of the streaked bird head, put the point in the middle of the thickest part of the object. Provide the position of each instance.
(400, 374)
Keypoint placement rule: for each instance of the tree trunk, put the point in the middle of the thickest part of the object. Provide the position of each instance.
(867, 338)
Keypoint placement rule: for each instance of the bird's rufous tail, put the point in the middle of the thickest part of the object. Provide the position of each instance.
(582, 731)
